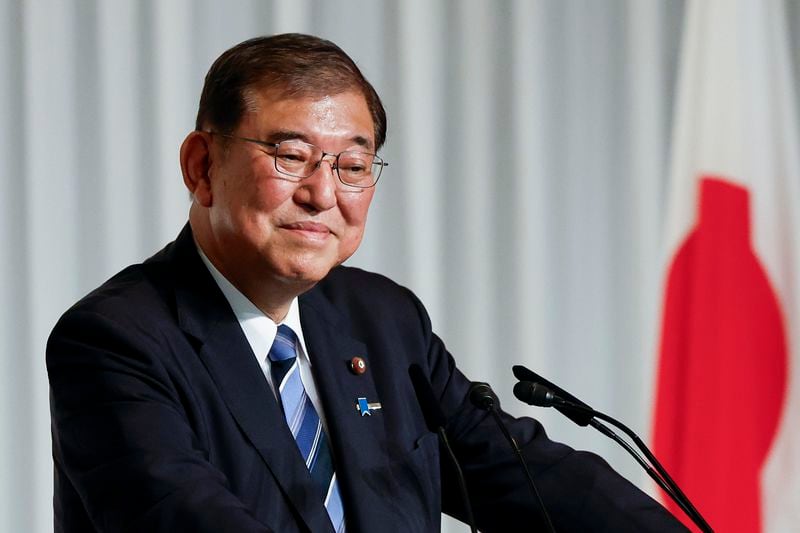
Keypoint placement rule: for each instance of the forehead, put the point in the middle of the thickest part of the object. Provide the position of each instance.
(345, 114)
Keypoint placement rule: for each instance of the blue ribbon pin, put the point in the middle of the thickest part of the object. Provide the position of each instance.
(366, 408)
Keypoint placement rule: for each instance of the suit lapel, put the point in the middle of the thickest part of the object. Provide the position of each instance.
(357, 440)
(204, 313)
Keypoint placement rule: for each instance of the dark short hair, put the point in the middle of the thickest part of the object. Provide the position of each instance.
(296, 64)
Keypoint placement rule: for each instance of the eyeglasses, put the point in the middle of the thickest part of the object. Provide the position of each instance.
(299, 159)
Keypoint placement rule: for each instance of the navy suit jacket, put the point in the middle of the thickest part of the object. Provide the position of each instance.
(162, 419)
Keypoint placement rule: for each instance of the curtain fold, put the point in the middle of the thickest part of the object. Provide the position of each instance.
(528, 146)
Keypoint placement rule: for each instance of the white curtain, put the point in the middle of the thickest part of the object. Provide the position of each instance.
(524, 200)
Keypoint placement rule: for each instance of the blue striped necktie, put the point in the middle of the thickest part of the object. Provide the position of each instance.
(304, 422)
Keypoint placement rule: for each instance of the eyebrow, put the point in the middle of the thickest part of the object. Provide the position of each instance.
(288, 135)
(285, 135)
(362, 141)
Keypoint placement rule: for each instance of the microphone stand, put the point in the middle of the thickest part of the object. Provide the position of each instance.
(436, 422)
(462, 483)
(541, 395)
(482, 397)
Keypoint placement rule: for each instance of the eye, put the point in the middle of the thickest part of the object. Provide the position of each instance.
(292, 155)
(355, 169)
(355, 163)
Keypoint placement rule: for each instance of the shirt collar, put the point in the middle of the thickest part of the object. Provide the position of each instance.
(258, 328)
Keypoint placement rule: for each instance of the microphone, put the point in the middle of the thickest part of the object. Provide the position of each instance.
(536, 394)
(436, 422)
(482, 397)
(581, 418)
(550, 395)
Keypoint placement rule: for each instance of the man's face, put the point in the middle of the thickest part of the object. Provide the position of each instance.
(270, 226)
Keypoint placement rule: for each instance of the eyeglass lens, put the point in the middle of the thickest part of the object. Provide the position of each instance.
(300, 159)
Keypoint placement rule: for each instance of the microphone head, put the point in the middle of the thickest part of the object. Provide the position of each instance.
(525, 374)
(428, 402)
(534, 394)
(482, 396)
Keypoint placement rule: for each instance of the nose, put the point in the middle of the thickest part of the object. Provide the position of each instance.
(318, 191)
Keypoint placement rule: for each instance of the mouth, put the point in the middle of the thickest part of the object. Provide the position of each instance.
(308, 230)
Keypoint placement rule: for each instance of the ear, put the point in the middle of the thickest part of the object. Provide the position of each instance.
(196, 166)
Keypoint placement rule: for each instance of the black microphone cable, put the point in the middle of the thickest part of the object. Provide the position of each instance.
(583, 415)
(482, 397)
(540, 395)
(436, 421)
(534, 393)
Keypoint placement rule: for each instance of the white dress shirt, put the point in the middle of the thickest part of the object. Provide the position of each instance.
(260, 332)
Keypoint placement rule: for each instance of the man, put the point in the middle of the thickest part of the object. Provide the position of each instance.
(241, 380)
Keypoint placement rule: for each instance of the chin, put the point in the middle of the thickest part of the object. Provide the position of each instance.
(305, 274)
(304, 266)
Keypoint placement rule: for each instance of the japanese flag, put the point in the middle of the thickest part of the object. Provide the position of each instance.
(727, 412)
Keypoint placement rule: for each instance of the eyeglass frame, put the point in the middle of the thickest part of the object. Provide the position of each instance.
(335, 166)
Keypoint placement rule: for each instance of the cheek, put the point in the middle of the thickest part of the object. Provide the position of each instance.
(259, 195)
(250, 183)
(354, 208)
(268, 195)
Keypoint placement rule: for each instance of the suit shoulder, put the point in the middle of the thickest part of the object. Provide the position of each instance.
(134, 296)
(355, 283)
(367, 298)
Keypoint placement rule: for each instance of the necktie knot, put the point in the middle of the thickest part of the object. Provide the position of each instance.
(284, 347)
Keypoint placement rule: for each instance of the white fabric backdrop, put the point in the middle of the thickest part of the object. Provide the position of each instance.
(528, 143)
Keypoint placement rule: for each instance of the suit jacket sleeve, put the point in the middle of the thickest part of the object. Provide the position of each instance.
(126, 458)
(580, 490)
